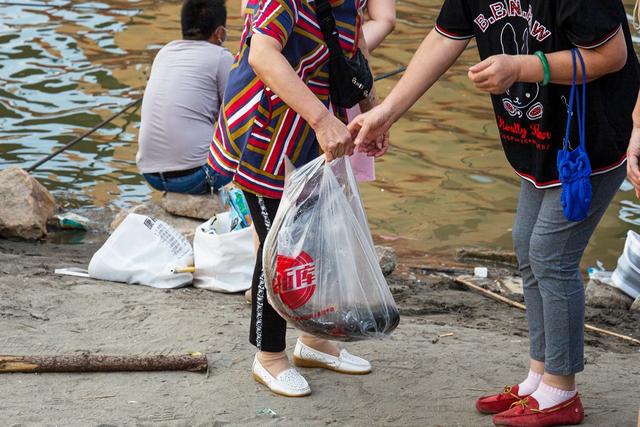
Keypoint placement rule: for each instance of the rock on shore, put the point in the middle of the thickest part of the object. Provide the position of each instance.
(601, 295)
(387, 258)
(187, 205)
(25, 205)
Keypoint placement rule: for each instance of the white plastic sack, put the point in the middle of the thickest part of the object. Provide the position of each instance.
(143, 250)
(626, 276)
(225, 260)
(320, 265)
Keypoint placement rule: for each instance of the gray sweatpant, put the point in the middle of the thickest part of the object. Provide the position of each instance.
(549, 249)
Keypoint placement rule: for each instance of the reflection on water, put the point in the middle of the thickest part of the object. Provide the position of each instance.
(445, 184)
(57, 74)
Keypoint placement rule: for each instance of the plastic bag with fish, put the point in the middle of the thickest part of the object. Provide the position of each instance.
(320, 265)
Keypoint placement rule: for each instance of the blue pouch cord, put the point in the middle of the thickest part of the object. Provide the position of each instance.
(580, 101)
(574, 167)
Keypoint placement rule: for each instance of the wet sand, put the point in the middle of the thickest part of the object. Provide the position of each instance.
(418, 378)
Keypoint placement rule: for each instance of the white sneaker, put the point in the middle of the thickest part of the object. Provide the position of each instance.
(346, 363)
(288, 383)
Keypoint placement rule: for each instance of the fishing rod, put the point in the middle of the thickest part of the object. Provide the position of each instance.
(390, 74)
(84, 135)
(403, 69)
(131, 105)
(58, 6)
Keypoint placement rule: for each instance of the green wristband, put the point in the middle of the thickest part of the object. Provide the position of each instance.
(545, 67)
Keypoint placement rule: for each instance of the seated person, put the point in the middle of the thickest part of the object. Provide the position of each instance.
(182, 101)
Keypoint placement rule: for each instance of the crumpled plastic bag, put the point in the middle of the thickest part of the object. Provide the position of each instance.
(321, 270)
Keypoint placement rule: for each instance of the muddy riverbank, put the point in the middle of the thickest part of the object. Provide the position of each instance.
(451, 346)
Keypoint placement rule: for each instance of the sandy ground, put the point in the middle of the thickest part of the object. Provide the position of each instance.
(418, 379)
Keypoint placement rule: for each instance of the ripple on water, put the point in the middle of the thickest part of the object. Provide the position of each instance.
(54, 84)
(446, 182)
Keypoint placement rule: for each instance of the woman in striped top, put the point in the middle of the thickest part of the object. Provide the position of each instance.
(277, 105)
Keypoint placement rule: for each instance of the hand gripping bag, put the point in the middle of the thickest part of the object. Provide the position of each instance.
(321, 270)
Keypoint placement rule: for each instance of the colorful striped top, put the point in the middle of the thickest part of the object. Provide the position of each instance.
(256, 130)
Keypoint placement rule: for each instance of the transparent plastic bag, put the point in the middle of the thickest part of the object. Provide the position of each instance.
(320, 265)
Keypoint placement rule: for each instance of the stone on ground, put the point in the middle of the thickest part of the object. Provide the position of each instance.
(601, 295)
(636, 305)
(387, 258)
(199, 207)
(512, 288)
(185, 226)
(25, 205)
(512, 284)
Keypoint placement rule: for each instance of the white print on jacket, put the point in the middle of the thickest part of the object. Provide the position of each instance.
(521, 97)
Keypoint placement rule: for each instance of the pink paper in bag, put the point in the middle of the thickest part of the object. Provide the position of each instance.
(363, 166)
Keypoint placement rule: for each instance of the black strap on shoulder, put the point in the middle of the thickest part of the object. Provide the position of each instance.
(324, 14)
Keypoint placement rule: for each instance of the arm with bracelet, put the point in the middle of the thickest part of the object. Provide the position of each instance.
(593, 27)
(498, 73)
(536, 57)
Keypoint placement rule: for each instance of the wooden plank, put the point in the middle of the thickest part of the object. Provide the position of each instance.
(87, 362)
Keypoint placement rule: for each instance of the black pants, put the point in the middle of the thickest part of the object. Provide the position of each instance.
(268, 329)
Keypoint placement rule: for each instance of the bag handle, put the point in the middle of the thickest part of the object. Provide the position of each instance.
(327, 23)
(580, 101)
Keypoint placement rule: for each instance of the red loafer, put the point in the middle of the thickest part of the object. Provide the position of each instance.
(500, 402)
(525, 413)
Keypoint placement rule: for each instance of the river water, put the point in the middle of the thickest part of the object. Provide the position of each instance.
(444, 184)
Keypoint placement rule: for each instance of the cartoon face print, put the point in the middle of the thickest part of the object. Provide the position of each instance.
(521, 97)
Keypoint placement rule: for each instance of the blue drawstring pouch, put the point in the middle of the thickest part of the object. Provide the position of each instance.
(574, 167)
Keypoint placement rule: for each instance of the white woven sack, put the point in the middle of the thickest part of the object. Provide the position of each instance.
(224, 261)
(143, 250)
(626, 276)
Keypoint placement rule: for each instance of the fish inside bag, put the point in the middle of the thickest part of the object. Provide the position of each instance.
(321, 270)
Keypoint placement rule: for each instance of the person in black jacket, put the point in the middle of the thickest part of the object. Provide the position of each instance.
(527, 67)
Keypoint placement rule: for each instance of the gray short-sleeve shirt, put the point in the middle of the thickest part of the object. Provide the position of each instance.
(181, 104)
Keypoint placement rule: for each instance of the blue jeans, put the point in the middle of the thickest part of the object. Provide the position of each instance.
(203, 181)
(549, 249)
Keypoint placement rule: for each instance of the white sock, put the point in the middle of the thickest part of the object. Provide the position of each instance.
(548, 396)
(530, 384)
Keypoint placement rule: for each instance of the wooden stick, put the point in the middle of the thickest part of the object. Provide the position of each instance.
(190, 269)
(87, 362)
(515, 304)
(490, 294)
(426, 270)
(597, 330)
(501, 257)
